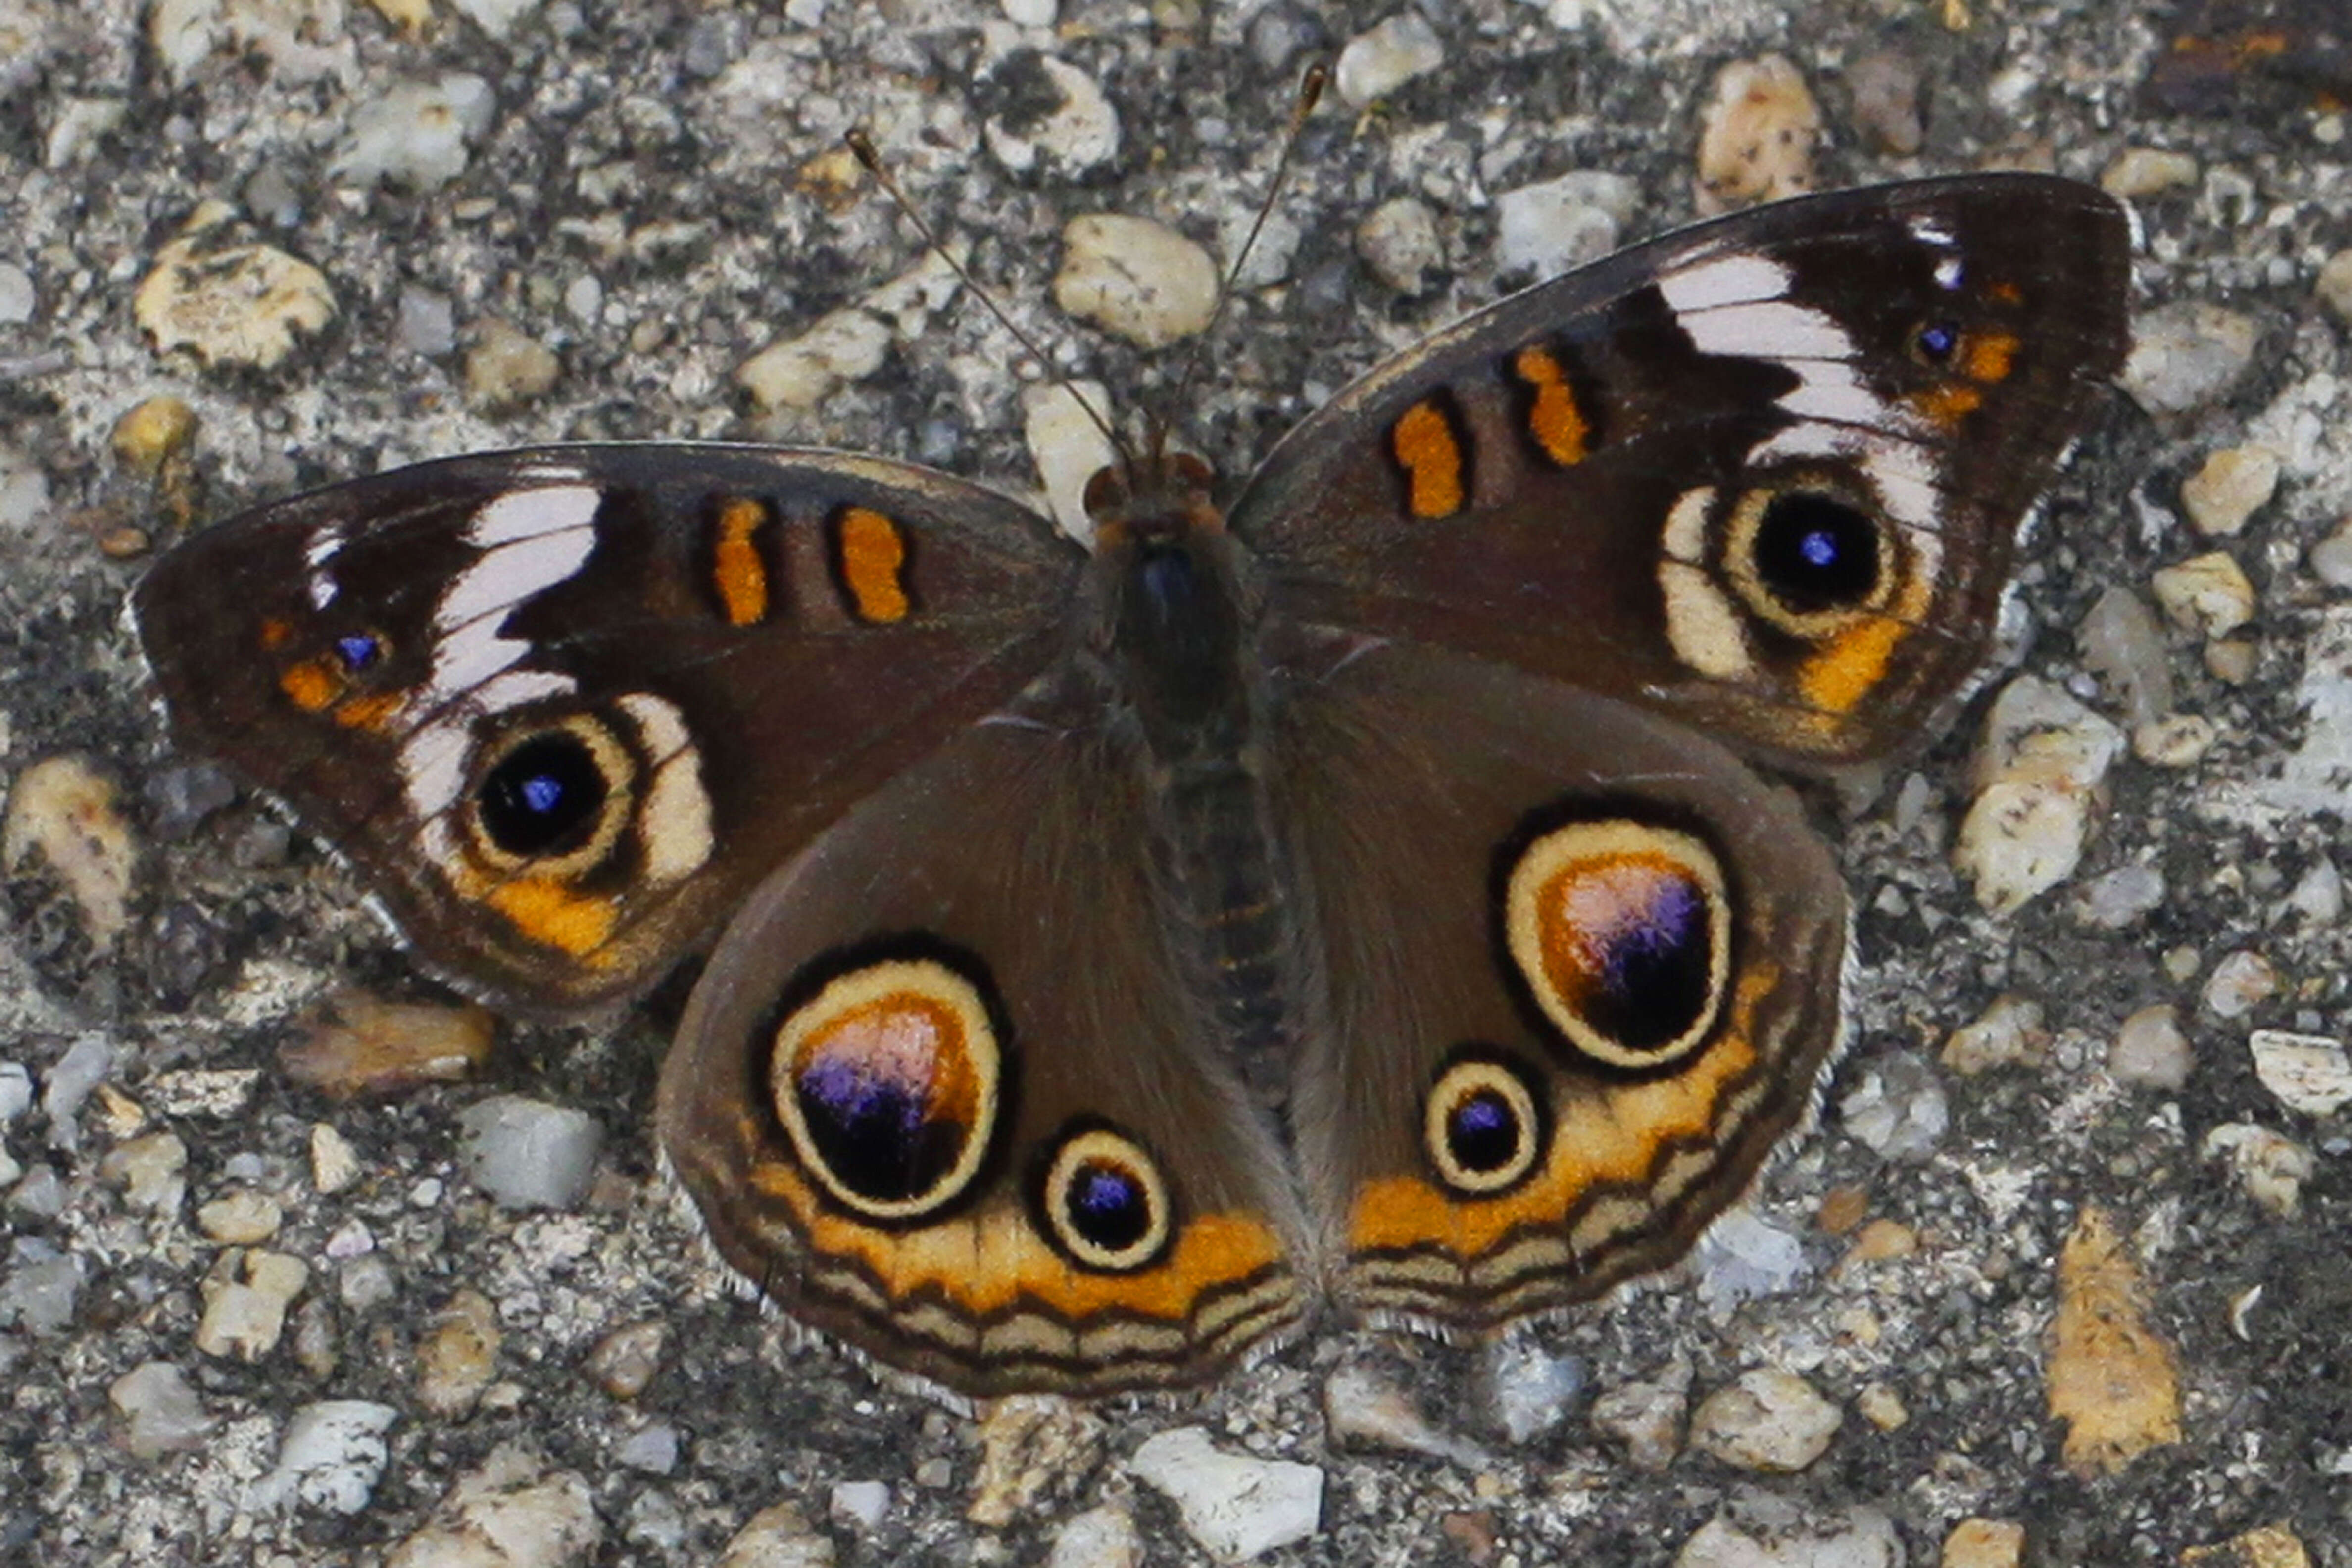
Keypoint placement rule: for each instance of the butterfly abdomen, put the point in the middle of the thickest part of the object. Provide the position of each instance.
(1232, 914)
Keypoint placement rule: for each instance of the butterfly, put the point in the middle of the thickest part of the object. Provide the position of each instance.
(1358, 898)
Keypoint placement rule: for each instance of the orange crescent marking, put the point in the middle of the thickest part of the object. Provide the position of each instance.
(1843, 673)
(872, 557)
(736, 569)
(991, 1261)
(1555, 421)
(1614, 1140)
(548, 913)
(1424, 442)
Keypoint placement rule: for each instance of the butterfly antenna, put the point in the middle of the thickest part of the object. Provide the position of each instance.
(1310, 91)
(861, 147)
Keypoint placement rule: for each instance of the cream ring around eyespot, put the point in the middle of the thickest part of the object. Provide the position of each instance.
(1115, 1153)
(616, 769)
(1618, 923)
(1458, 1085)
(1744, 530)
(908, 1041)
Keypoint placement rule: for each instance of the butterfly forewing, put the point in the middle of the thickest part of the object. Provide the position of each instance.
(1764, 473)
(563, 707)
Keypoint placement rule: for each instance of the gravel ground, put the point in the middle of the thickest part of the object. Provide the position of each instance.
(244, 1321)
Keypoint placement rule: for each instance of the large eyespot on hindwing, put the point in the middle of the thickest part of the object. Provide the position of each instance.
(889, 1081)
(1101, 1201)
(1483, 1126)
(1620, 930)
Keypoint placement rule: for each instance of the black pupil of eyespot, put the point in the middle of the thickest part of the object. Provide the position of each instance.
(1108, 1206)
(1816, 552)
(1482, 1132)
(1937, 340)
(879, 1137)
(1657, 972)
(543, 797)
(357, 651)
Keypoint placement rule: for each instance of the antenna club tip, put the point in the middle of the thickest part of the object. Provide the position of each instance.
(861, 147)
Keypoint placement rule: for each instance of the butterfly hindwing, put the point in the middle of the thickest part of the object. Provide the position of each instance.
(948, 1090)
(1579, 970)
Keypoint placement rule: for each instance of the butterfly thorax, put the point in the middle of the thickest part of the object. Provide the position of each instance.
(1176, 620)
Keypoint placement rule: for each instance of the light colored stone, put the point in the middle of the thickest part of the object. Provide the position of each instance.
(2111, 1377)
(2331, 559)
(527, 1154)
(227, 300)
(1235, 1505)
(507, 366)
(1082, 132)
(162, 1412)
(1376, 63)
(2150, 1051)
(1758, 1530)
(241, 1218)
(2142, 172)
(1646, 1415)
(334, 1164)
(151, 1171)
(2241, 982)
(332, 1456)
(1399, 243)
(2122, 644)
(2334, 286)
(2008, 1034)
(1555, 224)
(499, 18)
(1035, 1449)
(458, 1355)
(2271, 1166)
(1135, 278)
(779, 1536)
(862, 1505)
(1768, 1420)
(1984, 1543)
(356, 1044)
(1885, 87)
(2271, 1546)
(624, 1361)
(513, 1512)
(802, 372)
(2187, 355)
(2230, 487)
(2308, 1073)
(246, 1297)
(1366, 1405)
(1531, 1387)
(63, 815)
(2231, 660)
(415, 134)
(1103, 1537)
(1898, 1109)
(1757, 135)
(1883, 1407)
(1068, 446)
(2175, 740)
